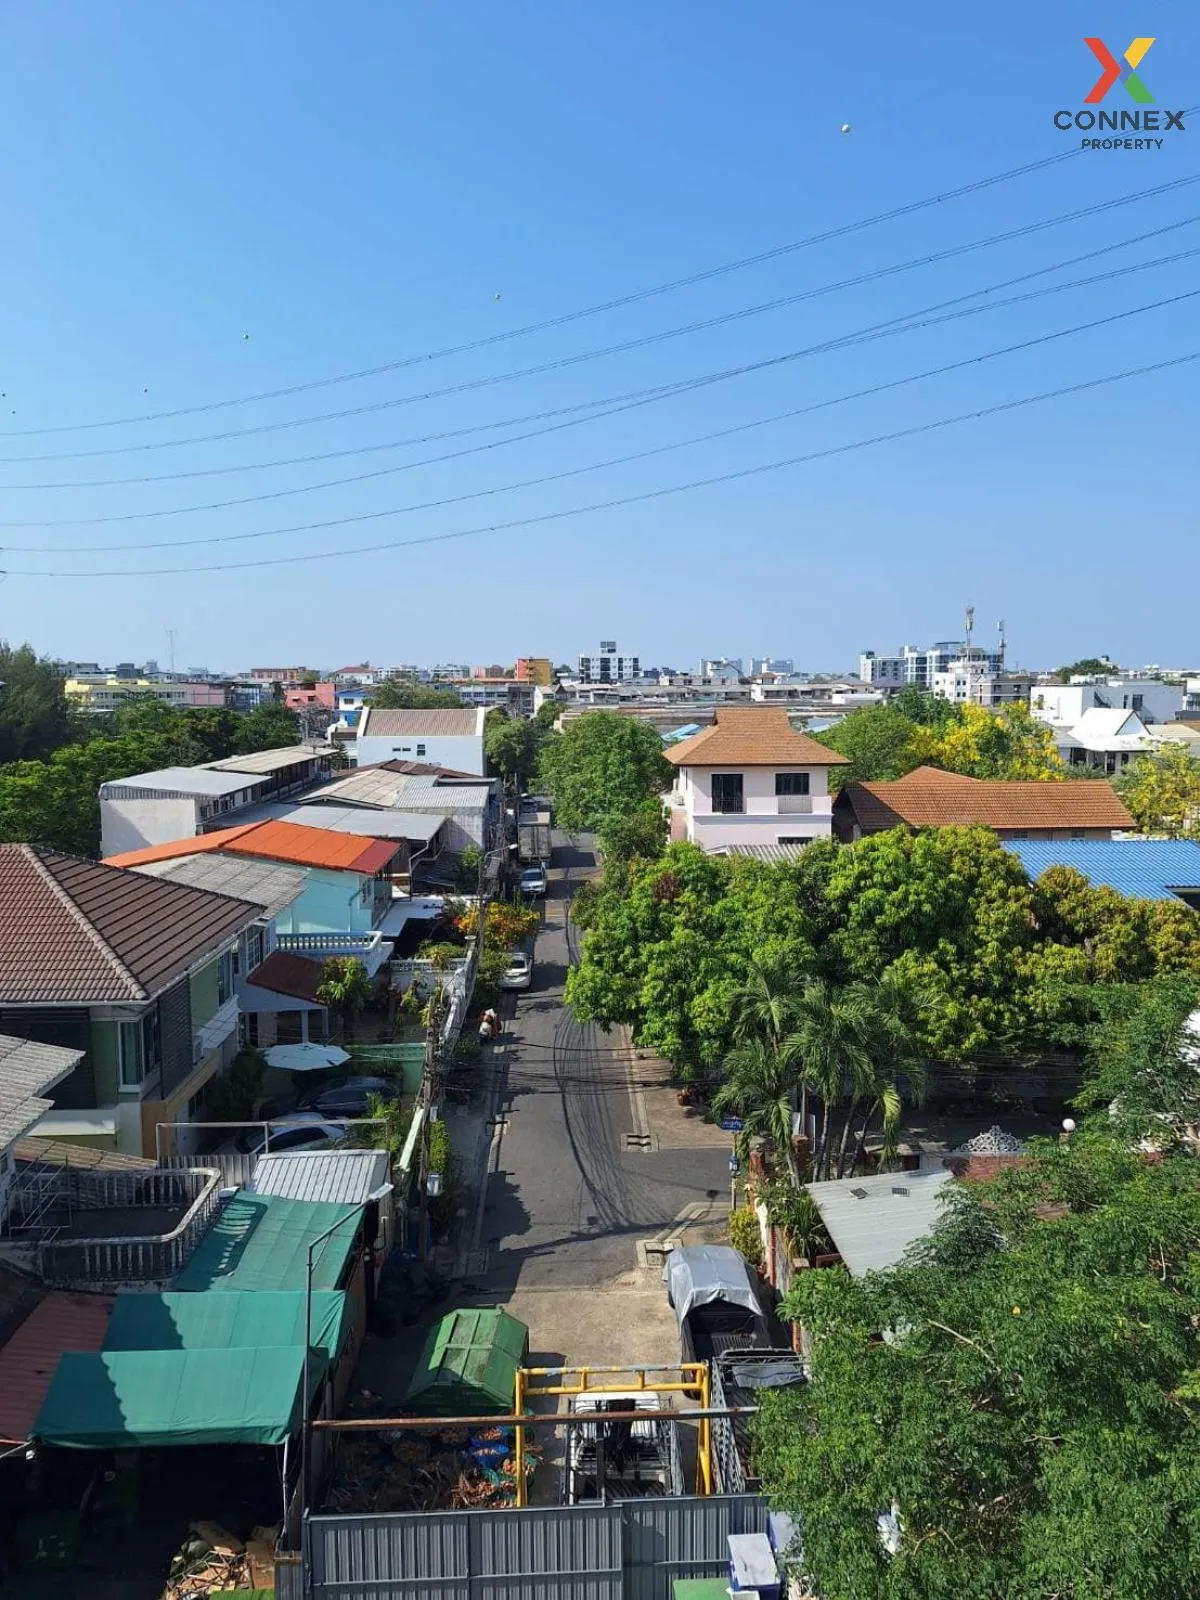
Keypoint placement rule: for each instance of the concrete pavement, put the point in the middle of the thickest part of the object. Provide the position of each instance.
(591, 1158)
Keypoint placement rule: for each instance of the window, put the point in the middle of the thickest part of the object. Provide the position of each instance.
(225, 978)
(254, 949)
(791, 783)
(785, 838)
(727, 793)
(420, 749)
(139, 1049)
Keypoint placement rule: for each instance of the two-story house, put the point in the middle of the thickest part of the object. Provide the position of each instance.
(135, 974)
(751, 782)
(448, 737)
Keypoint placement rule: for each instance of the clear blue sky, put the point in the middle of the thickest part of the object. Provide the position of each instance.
(358, 184)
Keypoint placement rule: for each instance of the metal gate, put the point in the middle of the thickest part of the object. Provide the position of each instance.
(634, 1549)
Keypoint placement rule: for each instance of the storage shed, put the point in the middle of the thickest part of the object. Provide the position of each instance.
(468, 1366)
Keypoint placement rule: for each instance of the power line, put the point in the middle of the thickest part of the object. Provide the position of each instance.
(613, 461)
(619, 404)
(559, 363)
(625, 500)
(615, 304)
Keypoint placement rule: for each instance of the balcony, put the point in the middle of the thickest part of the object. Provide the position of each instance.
(215, 1031)
(372, 949)
(794, 805)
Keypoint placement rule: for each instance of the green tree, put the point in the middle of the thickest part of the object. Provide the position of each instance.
(1162, 791)
(1008, 744)
(406, 694)
(547, 714)
(344, 988)
(35, 718)
(759, 1087)
(631, 836)
(880, 742)
(1142, 1082)
(511, 745)
(1089, 667)
(602, 765)
(1030, 1424)
(269, 727)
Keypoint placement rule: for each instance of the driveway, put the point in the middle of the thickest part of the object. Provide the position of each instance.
(585, 1166)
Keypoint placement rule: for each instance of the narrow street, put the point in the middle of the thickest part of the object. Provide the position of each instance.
(581, 1172)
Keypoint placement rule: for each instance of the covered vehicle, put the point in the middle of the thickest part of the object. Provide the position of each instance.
(716, 1301)
(351, 1097)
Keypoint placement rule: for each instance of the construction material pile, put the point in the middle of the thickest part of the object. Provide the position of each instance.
(212, 1560)
(456, 1468)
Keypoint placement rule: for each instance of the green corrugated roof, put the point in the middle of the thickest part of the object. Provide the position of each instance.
(129, 1399)
(260, 1241)
(469, 1364)
(256, 1319)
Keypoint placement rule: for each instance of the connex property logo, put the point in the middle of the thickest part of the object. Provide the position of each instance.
(1124, 123)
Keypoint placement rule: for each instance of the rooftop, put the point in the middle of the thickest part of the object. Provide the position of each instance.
(743, 736)
(60, 1322)
(27, 1072)
(277, 841)
(203, 781)
(381, 723)
(89, 933)
(873, 1220)
(930, 798)
(261, 1242)
(266, 884)
(263, 763)
(284, 972)
(335, 1177)
(1140, 869)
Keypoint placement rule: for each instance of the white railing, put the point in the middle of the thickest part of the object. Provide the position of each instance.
(794, 805)
(216, 1030)
(330, 944)
(150, 1258)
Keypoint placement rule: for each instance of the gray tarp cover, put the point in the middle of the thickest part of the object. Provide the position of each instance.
(698, 1274)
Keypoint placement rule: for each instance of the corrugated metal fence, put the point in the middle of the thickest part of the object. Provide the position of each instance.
(631, 1550)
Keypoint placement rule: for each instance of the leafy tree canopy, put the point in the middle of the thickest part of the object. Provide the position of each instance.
(35, 718)
(511, 745)
(1162, 791)
(914, 729)
(1031, 1421)
(880, 742)
(1088, 667)
(602, 765)
(406, 694)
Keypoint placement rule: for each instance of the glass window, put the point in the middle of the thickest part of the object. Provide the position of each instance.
(420, 749)
(727, 793)
(225, 977)
(791, 783)
(131, 1049)
(254, 949)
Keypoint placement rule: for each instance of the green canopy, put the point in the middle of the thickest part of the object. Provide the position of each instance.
(236, 1319)
(261, 1241)
(130, 1399)
(469, 1365)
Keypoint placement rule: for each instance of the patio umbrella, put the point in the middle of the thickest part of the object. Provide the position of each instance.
(305, 1057)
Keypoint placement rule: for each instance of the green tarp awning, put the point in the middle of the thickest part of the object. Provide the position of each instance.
(260, 1241)
(234, 1320)
(130, 1399)
(468, 1365)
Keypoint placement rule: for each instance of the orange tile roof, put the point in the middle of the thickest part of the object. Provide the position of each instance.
(929, 798)
(61, 1322)
(277, 841)
(744, 736)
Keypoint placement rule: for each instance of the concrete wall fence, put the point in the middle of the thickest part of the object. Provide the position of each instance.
(628, 1550)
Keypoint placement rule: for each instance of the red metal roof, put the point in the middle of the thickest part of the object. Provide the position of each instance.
(277, 841)
(61, 1322)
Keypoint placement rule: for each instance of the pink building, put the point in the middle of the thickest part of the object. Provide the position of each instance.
(321, 694)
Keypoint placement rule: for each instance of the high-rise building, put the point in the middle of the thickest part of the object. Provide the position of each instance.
(717, 666)
(607, 666)
(916, 666)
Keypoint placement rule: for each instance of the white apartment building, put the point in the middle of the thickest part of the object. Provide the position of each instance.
(783, 666)
(751, 783)
(721, 667)
(1065, 704)
(915, 667)
(970, 682)
(608, 665)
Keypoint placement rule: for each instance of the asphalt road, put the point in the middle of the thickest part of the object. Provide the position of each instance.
(568, 1201)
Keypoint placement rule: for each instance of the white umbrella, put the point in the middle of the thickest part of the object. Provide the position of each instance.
(305, 1057)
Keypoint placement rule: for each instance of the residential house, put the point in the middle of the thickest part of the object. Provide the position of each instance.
(1104, 740)
(513, 695)
(873, 1220)
(28, 1072)
(930, 798)
(281, 675)
(133, 973)
(1139, 869)
(103, 694)
(365, 676)
(1065, 704)
(349, 882)
(446, 738)
(302, 696)
(973, 683)
(149, 808)
(751, 780)
(432, 807)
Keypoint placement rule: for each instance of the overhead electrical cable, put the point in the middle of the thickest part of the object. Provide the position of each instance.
(616, 303)
(618, 501)
(614, 461)
(559, 363)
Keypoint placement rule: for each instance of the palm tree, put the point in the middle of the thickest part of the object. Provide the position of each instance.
(759, 1087)
(828, 1046)
(765, 1008)
(345, 987)
(893, 1052)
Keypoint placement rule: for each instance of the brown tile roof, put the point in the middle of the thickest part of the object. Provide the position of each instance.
(28, 1361)
(390, 724)
(276, 841)
(929, 798)
(419, 769)
(285, 973)
(78, 932)
(743, 736)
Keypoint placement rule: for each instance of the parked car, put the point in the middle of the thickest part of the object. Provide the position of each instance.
(715, 1300)
(520, 971)
(350, 1098)
(301, 1130)
(533, 881)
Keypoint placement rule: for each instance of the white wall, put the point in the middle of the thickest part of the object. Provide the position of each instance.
(1065, 704)
(134, 824)
(463, 752)
(767, 818)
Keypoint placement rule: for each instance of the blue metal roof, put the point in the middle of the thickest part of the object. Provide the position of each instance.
(686, 732)
(1140, 869)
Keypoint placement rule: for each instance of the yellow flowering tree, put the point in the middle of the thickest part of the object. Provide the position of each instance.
(1009, 743)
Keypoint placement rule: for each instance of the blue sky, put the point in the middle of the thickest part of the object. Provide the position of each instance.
(357, 185)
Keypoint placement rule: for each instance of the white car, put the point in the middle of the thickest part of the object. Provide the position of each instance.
(520, 971)
(533, 881)
(296, 1130)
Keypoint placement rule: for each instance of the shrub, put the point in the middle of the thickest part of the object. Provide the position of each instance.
(796, 1213)
(745, 1235)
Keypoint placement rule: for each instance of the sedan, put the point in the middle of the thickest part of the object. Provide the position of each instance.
(520, 971)
(350, 1098)
(301, 1130)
